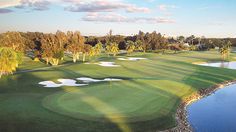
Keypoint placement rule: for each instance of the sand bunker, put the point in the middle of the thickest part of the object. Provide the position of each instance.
(112, 79)
(63, 82)
(108, 64)
(132, 58)
(50, 84)
(105, 64)
(71, 82)
(88, 80)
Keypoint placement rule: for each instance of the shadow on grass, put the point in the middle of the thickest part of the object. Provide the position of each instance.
(21, 108)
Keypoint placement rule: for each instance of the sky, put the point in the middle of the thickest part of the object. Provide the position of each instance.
(209, 18)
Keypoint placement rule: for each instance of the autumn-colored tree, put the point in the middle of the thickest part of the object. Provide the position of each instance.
(86, 51)
(9, 60)
(53, 48)
(47, 50)
(13, 40)
(75, 44)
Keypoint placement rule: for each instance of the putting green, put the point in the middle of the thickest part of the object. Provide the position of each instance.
(97, 102)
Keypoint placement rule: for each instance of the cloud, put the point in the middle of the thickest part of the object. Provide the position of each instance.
(4, 11)
(166, 7)
(75, 5)
(103, 6)
(8, 3)
(39, 5)
(113, 17)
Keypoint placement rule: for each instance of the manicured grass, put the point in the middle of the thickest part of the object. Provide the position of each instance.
(146, 99)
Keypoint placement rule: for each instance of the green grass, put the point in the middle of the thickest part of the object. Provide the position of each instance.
(146, 99)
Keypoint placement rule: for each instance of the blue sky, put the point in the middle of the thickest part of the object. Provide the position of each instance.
(210, 18)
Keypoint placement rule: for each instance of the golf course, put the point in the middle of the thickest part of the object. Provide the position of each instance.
(134, 95)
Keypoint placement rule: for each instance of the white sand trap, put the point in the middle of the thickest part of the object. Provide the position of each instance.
(64, 82)
(88, 80)
(132, 58)
(112, 79)
(105, 64)
(50, 84)
(108, 64)
(69, 82)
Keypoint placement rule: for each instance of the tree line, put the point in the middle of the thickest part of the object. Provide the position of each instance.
(51, 48)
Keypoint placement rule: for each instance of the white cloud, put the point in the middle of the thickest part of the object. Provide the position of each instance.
(114, 17)
(75, 5)
(39, 5)
(103, 6)
(8, 3)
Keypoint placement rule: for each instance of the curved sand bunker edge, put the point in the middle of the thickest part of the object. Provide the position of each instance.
(71, 82)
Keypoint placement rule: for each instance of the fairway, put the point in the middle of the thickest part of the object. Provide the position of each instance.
(145, 99)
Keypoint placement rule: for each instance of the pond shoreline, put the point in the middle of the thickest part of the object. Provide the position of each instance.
(181, 113)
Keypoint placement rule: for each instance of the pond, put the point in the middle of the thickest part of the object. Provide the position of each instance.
(230, 65)
(215, 113)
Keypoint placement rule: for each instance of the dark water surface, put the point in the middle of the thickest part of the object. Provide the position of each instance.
(215, 113)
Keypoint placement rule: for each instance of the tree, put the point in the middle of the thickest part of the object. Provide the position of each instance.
(13, 40)
(75, 44)
(53, 48)
(144, 40)
(112, 49)
(163, 44)
(9, 60)
(190, 39)
(130, 46)
(181, 39)
(92, 52)
(86, 51)
(98, 48)
(225, 49)
(46, 50)
(138, 45)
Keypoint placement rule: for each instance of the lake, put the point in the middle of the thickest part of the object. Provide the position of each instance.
(215, 113)
(230, 65)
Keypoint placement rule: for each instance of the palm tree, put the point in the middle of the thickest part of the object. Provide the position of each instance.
(9, 60)
(130, 46)
(98, 48)
(112, 49)
(225, 50)
(139, 45)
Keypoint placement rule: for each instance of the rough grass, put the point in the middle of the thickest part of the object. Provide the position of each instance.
(145, 101)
